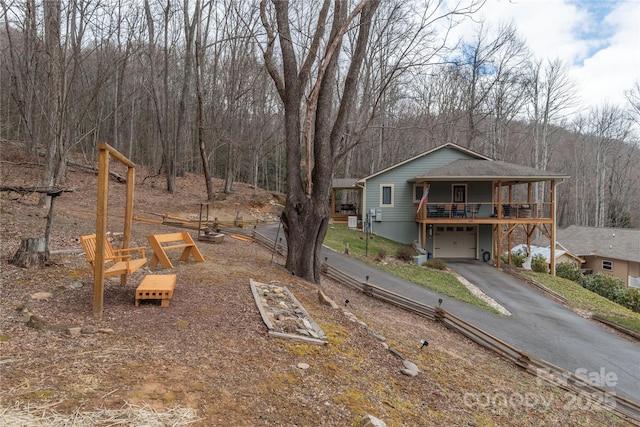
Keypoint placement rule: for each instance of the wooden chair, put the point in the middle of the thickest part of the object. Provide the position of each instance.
(121, 258)
(472, 210)
(458, 211)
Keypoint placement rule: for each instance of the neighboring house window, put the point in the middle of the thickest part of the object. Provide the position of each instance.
(607, 265)
(386, 195)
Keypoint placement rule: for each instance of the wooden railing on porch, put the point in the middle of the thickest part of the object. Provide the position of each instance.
(458, 211)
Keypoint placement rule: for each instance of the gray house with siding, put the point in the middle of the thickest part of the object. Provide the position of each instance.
(472, 204)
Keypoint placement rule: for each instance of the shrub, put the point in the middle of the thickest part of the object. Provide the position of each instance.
(634, 299)
(612, 289)
(607, 286)
(517, 258)
(504, 258)
(568, 270)
(436, 264)
(405, 253)
(382, 254)
(539, 264)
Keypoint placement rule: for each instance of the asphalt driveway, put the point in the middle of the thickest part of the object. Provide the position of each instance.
(538, 325)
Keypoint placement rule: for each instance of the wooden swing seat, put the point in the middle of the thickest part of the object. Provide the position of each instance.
(119, 259)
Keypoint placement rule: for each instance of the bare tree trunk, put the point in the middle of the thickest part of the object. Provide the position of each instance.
(52, 10)
(306, 214)
(199, 53)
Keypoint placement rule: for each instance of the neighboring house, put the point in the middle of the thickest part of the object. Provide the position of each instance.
(561, 254)
(613, 251)
(472, 206)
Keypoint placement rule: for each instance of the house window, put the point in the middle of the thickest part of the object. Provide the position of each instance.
(459, 193)
(386, 195)
(607, 265)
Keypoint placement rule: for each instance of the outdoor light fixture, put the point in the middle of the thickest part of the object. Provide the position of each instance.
(424, 343)
(439, 302)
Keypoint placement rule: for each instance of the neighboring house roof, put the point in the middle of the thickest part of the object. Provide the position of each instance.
(545, 251)
(615, 243)
(440, 147)
(481, 170)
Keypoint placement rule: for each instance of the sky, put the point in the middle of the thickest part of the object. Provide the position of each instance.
(598, 39)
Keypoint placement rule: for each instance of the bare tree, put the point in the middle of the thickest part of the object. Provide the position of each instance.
(550, 93)
(161, 91)
(633, 96)
(200, 50)
(488, 68)
(609, 127)
(314, 134)
(305, 216)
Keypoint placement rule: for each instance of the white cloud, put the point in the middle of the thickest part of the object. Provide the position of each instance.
(600, 42)
(612, 70)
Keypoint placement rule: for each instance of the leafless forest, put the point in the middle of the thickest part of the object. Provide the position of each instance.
(188, 86)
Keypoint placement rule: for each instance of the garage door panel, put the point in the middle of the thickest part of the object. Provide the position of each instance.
(455, 241)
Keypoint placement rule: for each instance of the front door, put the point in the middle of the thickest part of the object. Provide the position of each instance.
(459, 193)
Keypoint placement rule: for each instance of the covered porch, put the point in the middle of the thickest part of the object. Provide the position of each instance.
(346, 197)
(474, 194)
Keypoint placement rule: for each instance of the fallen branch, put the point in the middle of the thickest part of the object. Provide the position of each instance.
(51, 191)
(94, 169)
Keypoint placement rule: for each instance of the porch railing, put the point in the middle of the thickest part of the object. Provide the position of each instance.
(512, 210)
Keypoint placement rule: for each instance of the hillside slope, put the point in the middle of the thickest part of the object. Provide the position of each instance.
(207, 359)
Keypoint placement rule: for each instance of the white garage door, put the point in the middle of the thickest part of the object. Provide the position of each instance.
(455, 241)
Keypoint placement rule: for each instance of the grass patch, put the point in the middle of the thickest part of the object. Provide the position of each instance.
(584, 299)
(439, 281)
(339, 235)
(445, 283)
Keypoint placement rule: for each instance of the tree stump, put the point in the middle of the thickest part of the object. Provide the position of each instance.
(32, 253)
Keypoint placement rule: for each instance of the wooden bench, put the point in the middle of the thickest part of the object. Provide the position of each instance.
(155, 286)
(175, 240)
(121, 258)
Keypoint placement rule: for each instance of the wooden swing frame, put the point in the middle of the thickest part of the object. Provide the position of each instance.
(104, 151)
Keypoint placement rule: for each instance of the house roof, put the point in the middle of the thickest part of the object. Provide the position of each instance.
(615, 243)
(482, 170)
(440, 147)
(344, 183)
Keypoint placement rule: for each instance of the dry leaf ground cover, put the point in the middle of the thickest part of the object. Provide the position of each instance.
(207, 359)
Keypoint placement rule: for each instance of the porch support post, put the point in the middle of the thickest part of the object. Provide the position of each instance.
(426, 200)
(529, 225)
(499, 227)
(552, 249)
(333, 202)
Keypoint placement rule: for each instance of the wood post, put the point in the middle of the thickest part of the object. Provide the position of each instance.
(104, 151)
(552, 239)
(101, 232)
